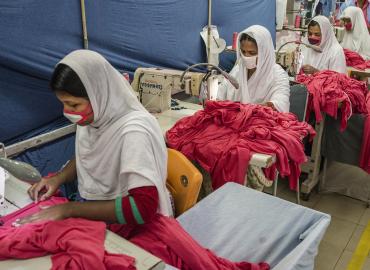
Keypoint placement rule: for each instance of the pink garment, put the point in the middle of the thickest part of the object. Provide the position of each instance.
(353, 59)
(328, 89)
(165, 238)
(223, 137)
(75, 243)
(365, 153)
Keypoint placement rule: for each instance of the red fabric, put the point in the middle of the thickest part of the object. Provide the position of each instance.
(146, 199)
(328, 89)
(365, 153)
(75, 243)
(165, 238)
(353, 59)
(223, 137)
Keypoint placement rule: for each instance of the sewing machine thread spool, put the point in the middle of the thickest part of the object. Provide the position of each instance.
(297, 22)
(235, 40)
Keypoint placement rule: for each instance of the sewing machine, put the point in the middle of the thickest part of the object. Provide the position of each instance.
(339, 33)
(155, 86)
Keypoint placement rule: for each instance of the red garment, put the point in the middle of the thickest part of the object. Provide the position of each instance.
(165, 238)
(353, 59)
(75, 243)
(328, 89)
(223, 137)
(146, 199)
(365, 153)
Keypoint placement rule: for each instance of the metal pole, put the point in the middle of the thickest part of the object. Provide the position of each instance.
(209, 30)
(84, 28)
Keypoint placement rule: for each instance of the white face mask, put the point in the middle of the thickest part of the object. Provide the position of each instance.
(249, 62)
(74, 118)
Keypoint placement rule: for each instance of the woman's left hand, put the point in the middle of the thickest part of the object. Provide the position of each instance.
(48, 213)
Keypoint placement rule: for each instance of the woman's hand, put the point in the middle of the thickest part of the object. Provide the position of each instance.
(45, 188)
(48, 213)
(307, 69)
(270, 104)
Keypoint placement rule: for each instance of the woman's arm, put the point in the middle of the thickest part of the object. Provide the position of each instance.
(280, 92)
(139, 207)
(48, 186)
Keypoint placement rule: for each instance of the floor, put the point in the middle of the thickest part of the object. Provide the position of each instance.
(349, 219)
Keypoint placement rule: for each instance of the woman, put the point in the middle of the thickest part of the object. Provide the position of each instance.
(261, 80)
(121, 157)
(120, 164)
(364, 5)
(356, 37)
(330, 55)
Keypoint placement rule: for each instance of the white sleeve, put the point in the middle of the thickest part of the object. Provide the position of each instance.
(338, 62)
(280, 92)
(136, 158)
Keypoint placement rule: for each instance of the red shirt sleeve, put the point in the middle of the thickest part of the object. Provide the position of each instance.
(142, 206)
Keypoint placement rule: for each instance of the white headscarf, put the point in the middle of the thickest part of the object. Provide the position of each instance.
(103, 166)
(332, 55)
(268, 83)
(358, 39)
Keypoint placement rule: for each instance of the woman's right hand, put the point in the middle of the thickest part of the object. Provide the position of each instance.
(45, 188)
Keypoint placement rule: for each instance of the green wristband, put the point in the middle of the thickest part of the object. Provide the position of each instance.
(119, 211)
(135, 211)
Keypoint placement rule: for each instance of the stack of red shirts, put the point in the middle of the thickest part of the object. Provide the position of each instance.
(365, 153)
(330, 90)
(223, 137)
(353, 59)
(76, 244)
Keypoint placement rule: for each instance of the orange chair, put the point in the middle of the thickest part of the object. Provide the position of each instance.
(183, 181)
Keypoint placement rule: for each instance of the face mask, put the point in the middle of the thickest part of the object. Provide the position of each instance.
(250, 62)
(348, 26)
(79, 118)
(314, 40)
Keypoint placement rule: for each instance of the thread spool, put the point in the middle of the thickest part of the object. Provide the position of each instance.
(297, 22)
(235, 40)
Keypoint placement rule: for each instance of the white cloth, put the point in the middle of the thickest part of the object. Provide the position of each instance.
(241, 224)
(269, 83)
(123, 147)
(358, 39)
(332, 55)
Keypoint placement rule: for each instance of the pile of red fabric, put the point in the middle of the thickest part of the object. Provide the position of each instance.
(165, 238)
(365, 153)
(223, 137)
(78, 244)
(353, 59)
(75, 243)
(330, 90)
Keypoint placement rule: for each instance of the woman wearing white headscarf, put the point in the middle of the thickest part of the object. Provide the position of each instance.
(356, 37)
(261, 80)
(121, 156)
(330, 56)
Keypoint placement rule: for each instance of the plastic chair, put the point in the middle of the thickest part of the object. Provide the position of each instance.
(298, 105)
(183, 181)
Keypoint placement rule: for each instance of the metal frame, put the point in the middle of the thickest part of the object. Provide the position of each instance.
(312, 166)
(17, 148)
